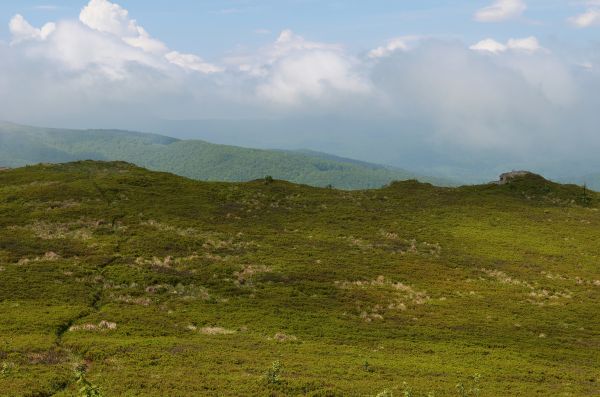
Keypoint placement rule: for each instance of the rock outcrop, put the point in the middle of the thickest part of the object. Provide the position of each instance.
(509, 176)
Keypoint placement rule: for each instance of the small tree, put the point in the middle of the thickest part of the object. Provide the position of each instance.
(273, 375)
(585, 198)
(268, 180)
(87, 389)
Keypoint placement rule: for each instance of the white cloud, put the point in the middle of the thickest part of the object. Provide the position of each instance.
(527, 44)
(191, 62)
(501, 10)
(527, 57)
(589, 18)
(489, 45)
(288, 42)
(294, 69)
(106, 40)
(111, 18)
(485, 103)
(107, 17)
(75, 48)
(22, 30)
(397, 44)
(311, 75)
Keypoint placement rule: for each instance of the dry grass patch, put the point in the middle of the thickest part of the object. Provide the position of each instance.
(184, 232)
(101, 326)
(216, 331)
(187, 292)
(391, 296)
(48, 257)
(390, 241)
(537, 295)
(281, 337)
(244, 276)
(51, 357)
(141, 301)
(79, 230)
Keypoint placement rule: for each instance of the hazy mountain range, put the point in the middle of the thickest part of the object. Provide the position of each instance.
(22, 145)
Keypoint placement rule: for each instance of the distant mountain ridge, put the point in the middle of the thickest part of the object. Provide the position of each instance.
(23, 145)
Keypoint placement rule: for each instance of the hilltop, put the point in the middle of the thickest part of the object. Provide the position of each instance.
(23, 145)
(153, 284)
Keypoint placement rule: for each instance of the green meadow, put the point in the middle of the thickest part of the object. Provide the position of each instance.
(119, 281)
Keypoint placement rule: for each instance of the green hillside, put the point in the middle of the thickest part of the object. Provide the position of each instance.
(127, 282)
(21, 145)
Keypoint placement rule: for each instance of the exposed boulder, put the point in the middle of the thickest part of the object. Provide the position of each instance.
(509, 176)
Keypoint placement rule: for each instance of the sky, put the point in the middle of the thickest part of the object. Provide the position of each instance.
(454, 87)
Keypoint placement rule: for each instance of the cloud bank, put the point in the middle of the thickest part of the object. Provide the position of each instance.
(519, 100)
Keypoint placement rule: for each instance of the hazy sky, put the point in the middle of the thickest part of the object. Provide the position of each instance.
(518, 80)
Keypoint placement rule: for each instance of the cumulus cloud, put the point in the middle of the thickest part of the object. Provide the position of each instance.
(191, 62)
(489, 45)
(311, 75)
(527, 44)
(111, 18)
(105, 40)
(295, 69)
(22, 30)
(501, 10)
(590, 17)
(397, 44)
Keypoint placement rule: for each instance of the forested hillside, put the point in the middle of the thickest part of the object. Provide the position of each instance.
(21, 145)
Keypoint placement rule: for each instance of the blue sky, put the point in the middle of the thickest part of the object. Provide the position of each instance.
(474, 87)
(214, 28)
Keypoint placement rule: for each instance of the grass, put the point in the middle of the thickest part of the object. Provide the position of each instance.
(130, 282)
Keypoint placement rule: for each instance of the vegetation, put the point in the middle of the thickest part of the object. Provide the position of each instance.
(86, 389)
(152, 284)
(21, 145)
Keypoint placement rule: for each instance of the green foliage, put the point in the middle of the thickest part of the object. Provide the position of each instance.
(168, 286)
(6, 369)
(273, 374)
(471, 389)
(86, 388)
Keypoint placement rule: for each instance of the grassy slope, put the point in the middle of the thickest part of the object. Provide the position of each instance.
(21, 145)
(366, 289)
